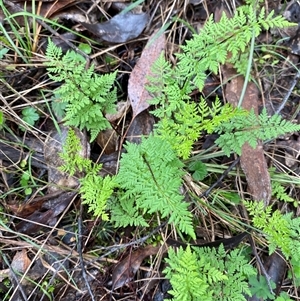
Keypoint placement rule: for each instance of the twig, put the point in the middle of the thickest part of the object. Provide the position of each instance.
(218, 182)
(288, 94)
(138, 241)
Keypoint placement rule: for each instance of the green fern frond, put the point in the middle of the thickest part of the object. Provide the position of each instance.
(73, 161)
(240, 129)
(95, 191)
(88, 95)
(171, 87)
(185, 276)
(279, 192)
(282, 231)
(151, 175)
(273, 224)
(208, 274)
(125, 212)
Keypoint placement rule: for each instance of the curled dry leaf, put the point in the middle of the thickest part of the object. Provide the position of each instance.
(137, 93)
(120, 28)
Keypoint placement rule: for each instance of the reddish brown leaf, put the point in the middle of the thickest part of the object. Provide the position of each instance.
(138, 95)
(47, 9)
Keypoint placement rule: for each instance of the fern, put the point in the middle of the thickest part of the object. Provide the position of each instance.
(150, 175)
(73, 161)
(188, 123)
(210, 48)
(95, 190)
(282, 231)
(124, 213)
(240, 129)
(208, 274)
(181, 120)
(279, 192)
(88, 96)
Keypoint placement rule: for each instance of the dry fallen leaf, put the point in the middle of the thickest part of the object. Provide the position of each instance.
(137, 93)
(142, 125)
(126, 269)
(20, 262)
(108, 141)
(120, 28)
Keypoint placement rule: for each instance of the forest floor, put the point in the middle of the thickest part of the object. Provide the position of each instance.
(52, 246)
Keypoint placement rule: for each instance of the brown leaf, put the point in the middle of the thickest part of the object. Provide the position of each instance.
(138, 95)
(125, 270)
(20, 261)
(120, 28)
(34, 222)
(142, 125)
(108, 141)
(47, 9)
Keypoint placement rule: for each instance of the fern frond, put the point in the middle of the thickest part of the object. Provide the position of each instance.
(184, 274)
(73, 161)
(251, 128)
(273, 224)
(279, 192)
(88, 95)
(208, 274)
(95, 191)
(150, 173)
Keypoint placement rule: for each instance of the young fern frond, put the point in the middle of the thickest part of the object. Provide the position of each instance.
(88, 96)
(282, 231)
(208, 274)
(73, 161)
(95, 190)
(210, 48)
(279, 192)
(276, 226)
